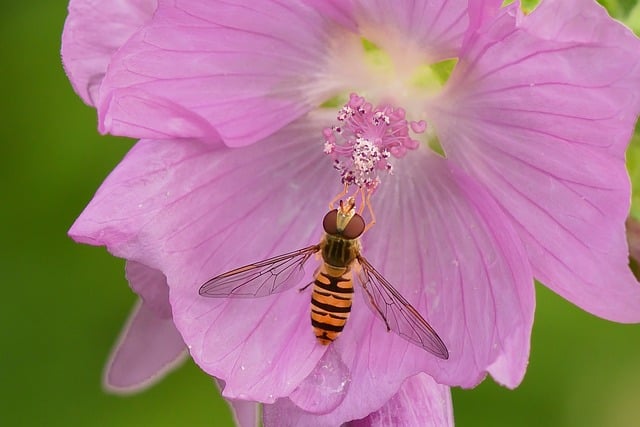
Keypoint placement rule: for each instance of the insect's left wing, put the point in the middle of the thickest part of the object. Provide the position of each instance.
(262, 278)
(398, 314)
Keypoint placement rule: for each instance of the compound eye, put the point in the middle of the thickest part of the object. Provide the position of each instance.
(330, 222)
(354, 228)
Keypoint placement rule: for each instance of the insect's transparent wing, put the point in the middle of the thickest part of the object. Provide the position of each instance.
(397, 313)
(262, 278)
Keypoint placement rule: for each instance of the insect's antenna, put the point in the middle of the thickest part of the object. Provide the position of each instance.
(339, 196)
(347, 208)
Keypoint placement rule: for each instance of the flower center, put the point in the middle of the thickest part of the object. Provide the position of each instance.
(398, 74)
(365, 137)
(401, 74)
(405, 69)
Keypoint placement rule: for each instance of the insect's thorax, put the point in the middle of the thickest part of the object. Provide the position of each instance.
(339, 252)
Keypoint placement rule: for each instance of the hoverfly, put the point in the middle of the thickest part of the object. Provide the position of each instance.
(333, 290)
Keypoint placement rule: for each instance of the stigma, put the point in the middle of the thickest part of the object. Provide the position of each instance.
(365, 138)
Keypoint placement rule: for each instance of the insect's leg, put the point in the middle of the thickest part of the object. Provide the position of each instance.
(315, 274)
(305, 287)
(361, 191)
(339, 196)
(363, 282)
(372, 221)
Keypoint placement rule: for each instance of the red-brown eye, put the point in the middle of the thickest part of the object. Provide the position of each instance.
(354, 228)
(330, 222)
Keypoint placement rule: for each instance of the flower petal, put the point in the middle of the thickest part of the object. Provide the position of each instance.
(577, 86)
(340, 12)
(617, 51)
(245, 413)
(435, 27)
(543, 124)
(151, 286)
(202, 67)
(149, 348)
(480, 12)
(419, 402)
(463, 268)
(93, 31)
(198, 212)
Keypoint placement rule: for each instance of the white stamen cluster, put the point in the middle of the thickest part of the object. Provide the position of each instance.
(362, 168)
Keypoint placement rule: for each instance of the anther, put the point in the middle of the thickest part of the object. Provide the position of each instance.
(366, 138)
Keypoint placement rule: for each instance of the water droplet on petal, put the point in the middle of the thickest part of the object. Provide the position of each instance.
(325, 387)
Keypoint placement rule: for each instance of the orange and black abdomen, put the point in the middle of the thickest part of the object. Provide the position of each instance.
(330, 303)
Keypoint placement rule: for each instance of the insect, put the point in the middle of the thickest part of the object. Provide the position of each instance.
(333, 290)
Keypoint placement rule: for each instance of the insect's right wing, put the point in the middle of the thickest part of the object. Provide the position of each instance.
(262, 278)
(397, 313)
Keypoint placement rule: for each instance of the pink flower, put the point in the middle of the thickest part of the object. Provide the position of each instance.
(534, 122)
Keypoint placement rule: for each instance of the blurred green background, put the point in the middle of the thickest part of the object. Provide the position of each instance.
(65, 303)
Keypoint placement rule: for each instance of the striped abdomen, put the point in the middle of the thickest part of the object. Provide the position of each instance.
(331, 302)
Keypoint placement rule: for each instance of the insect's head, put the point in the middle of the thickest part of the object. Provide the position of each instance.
(344, 221)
